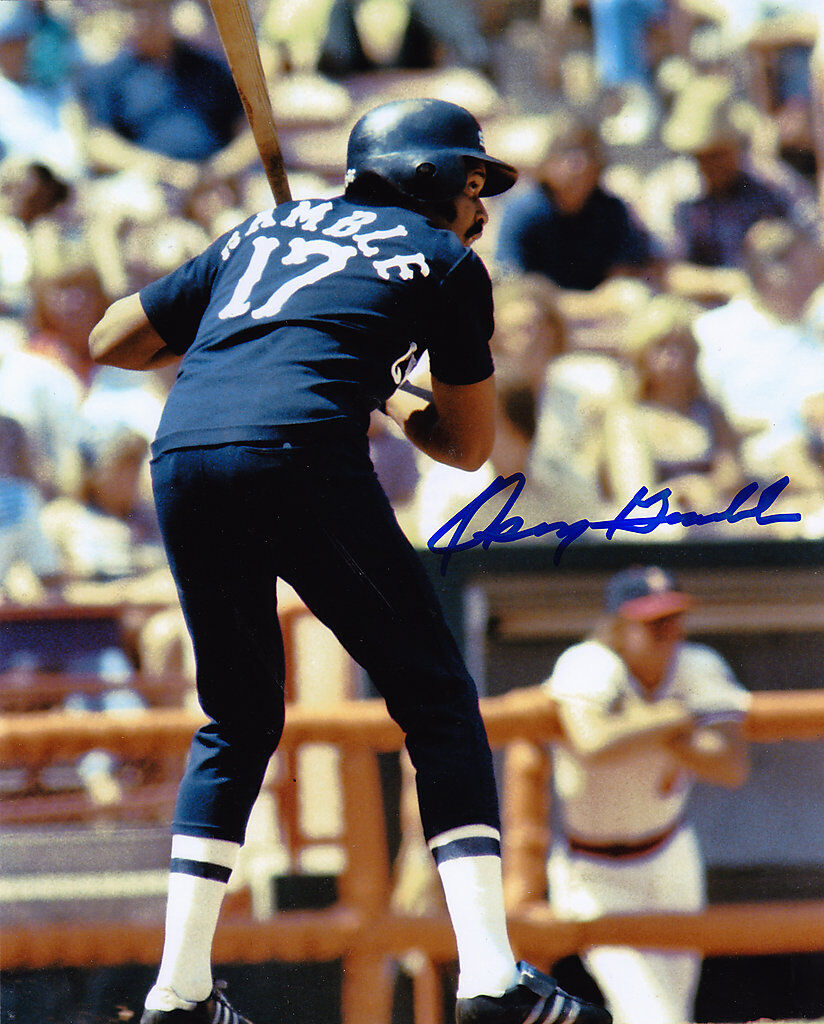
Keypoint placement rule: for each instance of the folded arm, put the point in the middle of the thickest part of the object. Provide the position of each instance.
(714, 753)
(598, 733)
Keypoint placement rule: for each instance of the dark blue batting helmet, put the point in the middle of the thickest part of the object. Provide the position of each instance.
(419, 147)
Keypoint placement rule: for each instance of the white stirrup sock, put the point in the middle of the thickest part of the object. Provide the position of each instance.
(469, 863)
(199, 871)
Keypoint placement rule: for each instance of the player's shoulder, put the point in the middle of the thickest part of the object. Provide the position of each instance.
(697, 659)
(588, 668)
(708, 684)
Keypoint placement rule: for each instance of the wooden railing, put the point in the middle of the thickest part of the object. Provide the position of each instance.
(360, 928)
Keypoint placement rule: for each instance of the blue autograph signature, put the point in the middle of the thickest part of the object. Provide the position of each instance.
(506, 528)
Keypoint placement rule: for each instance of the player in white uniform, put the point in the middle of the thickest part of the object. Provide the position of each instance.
(644, 715)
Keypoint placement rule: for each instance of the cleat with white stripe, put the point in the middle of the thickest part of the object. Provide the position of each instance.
(534, 999)
(215, 1010)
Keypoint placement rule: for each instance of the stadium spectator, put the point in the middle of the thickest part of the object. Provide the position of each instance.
(366, 36)
(164, 106)
(762, 353)
(49, 384)
(35, 558)
(564, 224)
(67, 296)
(105, 530)
(67, 300)
(39, 120)
(620, 32)
(556, 394)
(530, 330)
(569, 453)
(44, 398)
(133, 230)
(817, 110)
(673, 435)
(29, 192)
(24, 547)
(708, 124)
(530, 333)
(778, 37)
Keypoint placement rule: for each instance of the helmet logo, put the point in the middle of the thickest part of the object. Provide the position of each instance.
(657, 581)
(481, 142)
(350, 176)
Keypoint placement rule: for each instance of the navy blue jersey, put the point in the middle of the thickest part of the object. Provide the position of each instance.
(311, 314)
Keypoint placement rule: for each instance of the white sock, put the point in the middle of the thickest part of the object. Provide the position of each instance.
(469, 863)
(200, 869)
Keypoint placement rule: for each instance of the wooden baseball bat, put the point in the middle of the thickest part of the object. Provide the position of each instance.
(237, 33)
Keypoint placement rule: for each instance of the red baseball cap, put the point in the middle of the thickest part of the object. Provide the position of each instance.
(645, 594)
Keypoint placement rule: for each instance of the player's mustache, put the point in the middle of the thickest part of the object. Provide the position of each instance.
(476, 229)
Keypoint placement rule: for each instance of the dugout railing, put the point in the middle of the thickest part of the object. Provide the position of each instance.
(360, 928)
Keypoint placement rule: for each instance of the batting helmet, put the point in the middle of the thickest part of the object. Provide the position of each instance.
(418, 147)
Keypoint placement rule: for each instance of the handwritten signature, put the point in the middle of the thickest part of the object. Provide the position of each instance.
(506, 528)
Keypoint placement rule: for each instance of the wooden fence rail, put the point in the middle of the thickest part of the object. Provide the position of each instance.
(739, 929)
(796, 715)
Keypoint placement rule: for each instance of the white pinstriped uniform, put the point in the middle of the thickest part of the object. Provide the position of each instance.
(626, 801)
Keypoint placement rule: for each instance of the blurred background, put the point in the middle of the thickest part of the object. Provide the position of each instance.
(659, 288)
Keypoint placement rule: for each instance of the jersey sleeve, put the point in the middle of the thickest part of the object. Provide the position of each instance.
(462, 323)
(711, 691)
(588, 675)
(175, 304)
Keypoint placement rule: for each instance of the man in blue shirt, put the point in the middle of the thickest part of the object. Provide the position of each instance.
(565, 225)
(293, 329)
(165, 106)
(736, 189)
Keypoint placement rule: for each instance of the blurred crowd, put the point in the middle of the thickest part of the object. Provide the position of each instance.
(658, 269)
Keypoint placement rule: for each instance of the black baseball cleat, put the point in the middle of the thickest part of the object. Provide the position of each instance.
(518, 1005)
(214, 1010)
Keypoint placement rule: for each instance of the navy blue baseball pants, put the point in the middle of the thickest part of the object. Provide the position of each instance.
(236, 517)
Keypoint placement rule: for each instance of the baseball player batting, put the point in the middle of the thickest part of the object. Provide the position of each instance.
(291, 330)
(644, 715)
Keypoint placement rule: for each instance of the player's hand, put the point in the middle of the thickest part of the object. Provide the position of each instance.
(419, 375)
